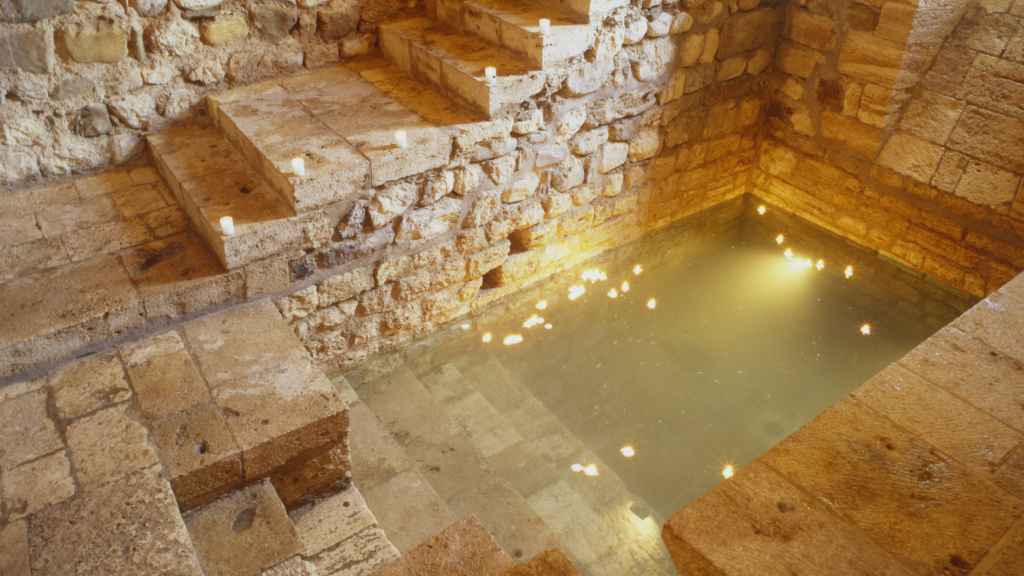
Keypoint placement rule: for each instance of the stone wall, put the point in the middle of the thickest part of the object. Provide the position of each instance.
(81, 81)
(662, 122)
(902, 127)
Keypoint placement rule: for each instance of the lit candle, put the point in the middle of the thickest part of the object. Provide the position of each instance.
(491, 74)
(628, 451)
(545, 26)
(298, 166)
(227, 225)
(401, 138)
(761, 210)
(780, 239)
(652, 304)
(728, 471)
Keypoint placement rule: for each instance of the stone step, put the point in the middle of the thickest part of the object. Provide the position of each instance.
(593, 10)
(549, 563)
(341, 125)
(211, 179)
(455, 63)
(515, 24)
(463, 549)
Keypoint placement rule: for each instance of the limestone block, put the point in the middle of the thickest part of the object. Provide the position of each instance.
(748, 31)
(691, 49)
(225, 29)
(31, 50)
(635, 29)
(198, 4)
(430, 222)
(869, 58)
(911, 156)
(797, 61)
(587, 142)
(149, 8)
(26, 430)
(243, 533)
(33, 10)
(345, 286)
(294, 566)
(332, 520)
(299, 304)
(811, 30)
(14, 543)
(107, 445)
(275, 20)
(175, 37)
(339, 19)
(997, 138)
(950, 169)
(645, 145)
(390, 202)
(896, 20)
(501, 170)
(88, 385)
(312, 476)
(121, 528)
(659, 25)
(683, 22)
(102, 42)
(862, 139)
(568, 175)
(996, 84)
(165, 378)
(732, 68)
(613, 155)
(988, 185)
(931, 116)
(362, 553)
(521, 188)
(35, 485)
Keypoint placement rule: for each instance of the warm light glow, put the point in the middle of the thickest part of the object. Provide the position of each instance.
(638, 270)
(591, 470)
(465, 326)
(575, 291)
(542, 305)
(577, 467)
(762, 210)
(625, 286)
(298, 166)
(401, 139)
(512, 339)
(628, 451)
(487, 337)
(788, 254)
(848, 272)
(728, 471)
(652, 303)
(548, 326)
(613, 293)
(820, 264)
(227, 225)
(865, 329)
(780, 239)
(593, 275)
(532, 321)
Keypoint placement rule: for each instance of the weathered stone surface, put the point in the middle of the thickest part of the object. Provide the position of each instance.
(103, 42)
(225, 29)
(748, 31)
(88, 385)
(334, 519)
(339, 19)
(997, 138)
(849, 454)
(33, 486)
(985, 184)
(30, 50)
(312, 476)
(274, 19)
(548, 563)
(33, 10)
(912, 156)
(164, 376)
(26, 430)
(120, 528)
(463, 549)
(294, 566)
(14, 543)
(107, 445)
(932, 116)
(759, 523)
(243, 533)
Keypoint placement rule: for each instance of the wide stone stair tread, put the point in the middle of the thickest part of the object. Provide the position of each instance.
(548, 563)
(463, 549)
(211, 179)
(456, 63)
(515, 24)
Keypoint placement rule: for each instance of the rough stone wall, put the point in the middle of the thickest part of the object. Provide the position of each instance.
(901, 125)
(662, 121)
(81, 81)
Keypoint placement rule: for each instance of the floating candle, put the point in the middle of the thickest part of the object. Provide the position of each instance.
(227, 225)
(491, 74)
(401, 138)
(298, 165)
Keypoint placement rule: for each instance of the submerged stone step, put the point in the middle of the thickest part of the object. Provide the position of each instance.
(457, 64)
(516, 25)
(211, 179)
(463, 549)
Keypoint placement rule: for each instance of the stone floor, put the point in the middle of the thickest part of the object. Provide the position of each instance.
(920, 471)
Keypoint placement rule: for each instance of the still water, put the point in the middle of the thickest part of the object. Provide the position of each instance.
(618, 391)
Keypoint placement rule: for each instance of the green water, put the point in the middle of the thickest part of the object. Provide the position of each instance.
(719, 347)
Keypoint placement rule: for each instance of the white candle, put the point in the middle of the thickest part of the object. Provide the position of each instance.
(299, 166)
(227, 225)
(545, 26)
(401, 138)
(491, 74)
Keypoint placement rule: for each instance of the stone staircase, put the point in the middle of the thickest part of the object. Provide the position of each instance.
(344, 123)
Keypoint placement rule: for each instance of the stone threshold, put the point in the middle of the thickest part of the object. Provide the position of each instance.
(919, 471)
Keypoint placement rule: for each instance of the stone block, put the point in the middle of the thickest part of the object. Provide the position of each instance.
(88, 385)
(26, 430)
(331, 520)
(107, 445)
(950, 424)
(243, 533)
(33, 10)
(363, 553)
(748, 31)
(987, 185)
(225, 29)
(27, 49)
(869, 58)
(102, 42)
(997, 321)
(463, 549)
(996, 84)
(121, 528)
(862, 139)
(14, 543)
(796, 60)
(811, 30)
(931, 116)
(33, 486)
(997, 138)
(420, 515)
(337, 20)
(294, 566)
(849, 454)
(275, 20)
(200, 456)
(311, 476)
(759, 521)
(164, 376)
(911, 156)
(548, 563)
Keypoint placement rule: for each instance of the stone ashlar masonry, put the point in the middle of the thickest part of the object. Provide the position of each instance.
(902, 127)
(576, 147)
(81, 82)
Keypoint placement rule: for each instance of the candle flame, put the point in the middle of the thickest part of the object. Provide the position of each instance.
(780, 239)
(865, 329)
(728, 471)
(628, 451)
(575, 291)
(848, 272)
(512, 339)
(487, 337)
(652, 303)
(762, 210)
